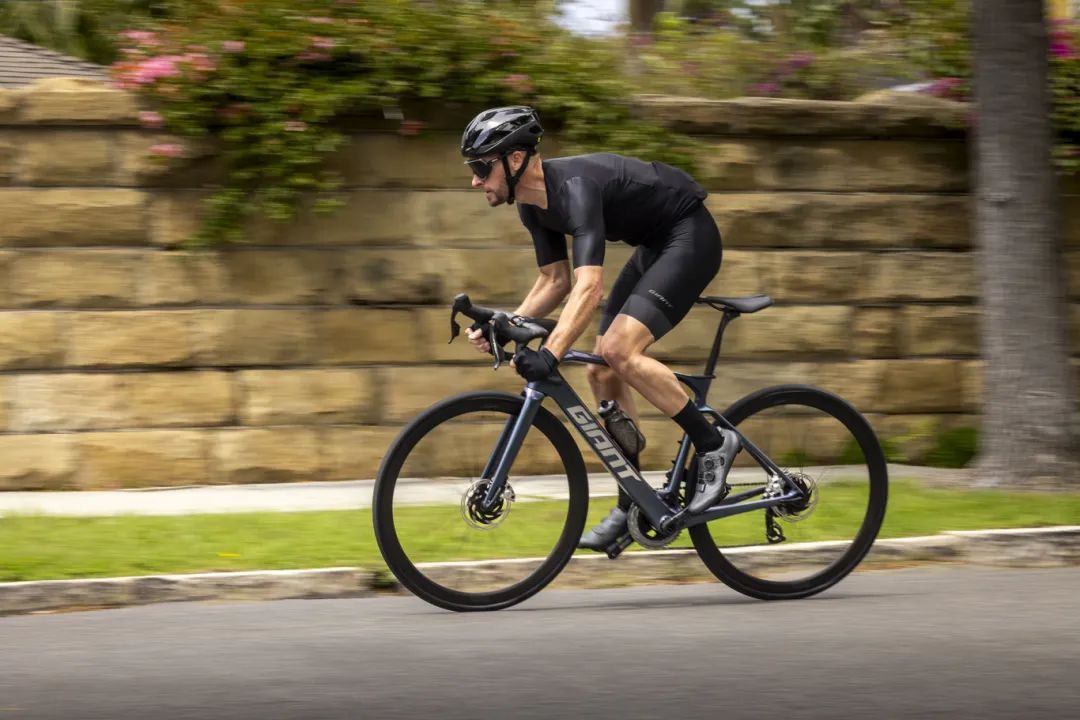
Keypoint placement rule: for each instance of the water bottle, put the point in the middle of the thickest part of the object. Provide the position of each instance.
(622, 429)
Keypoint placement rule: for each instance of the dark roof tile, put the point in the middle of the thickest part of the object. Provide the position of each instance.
(22, 63)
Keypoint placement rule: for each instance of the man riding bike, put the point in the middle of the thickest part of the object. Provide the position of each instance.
(595, 198)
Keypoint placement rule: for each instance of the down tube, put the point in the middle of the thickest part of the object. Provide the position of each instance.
(629, 479)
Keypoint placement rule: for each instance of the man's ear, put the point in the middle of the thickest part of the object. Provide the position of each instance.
(516, 158)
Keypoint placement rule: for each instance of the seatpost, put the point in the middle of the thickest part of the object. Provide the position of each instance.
(710, 364)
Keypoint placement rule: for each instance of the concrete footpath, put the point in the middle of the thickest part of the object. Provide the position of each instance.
(1031, 547)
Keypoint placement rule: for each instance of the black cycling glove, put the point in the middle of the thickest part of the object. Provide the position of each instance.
(533, 365)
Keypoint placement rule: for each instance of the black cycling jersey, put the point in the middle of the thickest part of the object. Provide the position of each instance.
(604, 196)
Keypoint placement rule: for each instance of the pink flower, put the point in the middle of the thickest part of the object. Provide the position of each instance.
(296, 126)
(201, 62)
(142, 37)
(151, 119)
(799, 61)
(323, 43)
(233, 46)
(1062, 50)
(154, 69)
(519, 82)
(169, 150)
(766, 89)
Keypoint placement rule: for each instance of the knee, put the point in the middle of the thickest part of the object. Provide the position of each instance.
(618, 355)
(599, 375)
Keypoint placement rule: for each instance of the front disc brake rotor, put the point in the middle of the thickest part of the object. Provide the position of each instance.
(485, 519)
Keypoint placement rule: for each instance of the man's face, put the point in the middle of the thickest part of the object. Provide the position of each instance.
(495, 187)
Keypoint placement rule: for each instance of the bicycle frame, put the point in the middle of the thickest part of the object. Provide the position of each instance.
(660, 514)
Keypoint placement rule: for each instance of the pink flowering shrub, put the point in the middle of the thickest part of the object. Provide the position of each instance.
(270, 80)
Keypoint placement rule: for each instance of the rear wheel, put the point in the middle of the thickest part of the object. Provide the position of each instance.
(428, 511)
(825, 446)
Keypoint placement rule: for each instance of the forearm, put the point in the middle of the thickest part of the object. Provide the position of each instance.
(545, 296)
(583, 301)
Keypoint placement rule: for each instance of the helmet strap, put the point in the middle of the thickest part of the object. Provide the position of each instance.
(511, 180)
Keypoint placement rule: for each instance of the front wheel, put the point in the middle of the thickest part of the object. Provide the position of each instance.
(428, 512)
(823, 444)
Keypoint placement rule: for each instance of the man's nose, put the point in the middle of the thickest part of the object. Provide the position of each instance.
(476, 182)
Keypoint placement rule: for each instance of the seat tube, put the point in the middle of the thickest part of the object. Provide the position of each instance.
(512, 444)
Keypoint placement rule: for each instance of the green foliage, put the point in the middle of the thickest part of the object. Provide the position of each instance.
(267, 80)
(954, 448)
(87, 29)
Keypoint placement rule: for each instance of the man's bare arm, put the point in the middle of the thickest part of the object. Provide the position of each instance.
(584, 299)
(550, 288)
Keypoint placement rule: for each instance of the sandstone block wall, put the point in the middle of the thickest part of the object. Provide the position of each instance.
(127, 361)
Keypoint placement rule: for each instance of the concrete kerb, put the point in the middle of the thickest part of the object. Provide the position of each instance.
(1027, 547)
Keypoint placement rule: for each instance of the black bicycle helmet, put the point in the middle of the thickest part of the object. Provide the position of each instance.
(500, 131)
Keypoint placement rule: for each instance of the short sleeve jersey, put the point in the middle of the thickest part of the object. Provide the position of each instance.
(607, 197)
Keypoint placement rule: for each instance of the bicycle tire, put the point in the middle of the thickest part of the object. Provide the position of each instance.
(806, 396)
(386, 534)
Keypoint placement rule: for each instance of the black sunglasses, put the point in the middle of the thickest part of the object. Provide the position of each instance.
(481, 168)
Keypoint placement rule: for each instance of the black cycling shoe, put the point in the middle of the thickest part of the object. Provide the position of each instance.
(607, 535)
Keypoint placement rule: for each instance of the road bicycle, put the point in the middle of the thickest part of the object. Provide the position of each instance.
(486, 475)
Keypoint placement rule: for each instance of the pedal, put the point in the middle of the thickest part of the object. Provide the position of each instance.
(616, 548)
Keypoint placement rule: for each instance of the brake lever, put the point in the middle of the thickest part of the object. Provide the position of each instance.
(496, 350)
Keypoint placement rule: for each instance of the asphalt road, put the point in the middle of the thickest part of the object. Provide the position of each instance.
(917, 643)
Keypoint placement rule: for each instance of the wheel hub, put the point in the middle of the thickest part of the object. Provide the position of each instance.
(480, 518)
(801, 508)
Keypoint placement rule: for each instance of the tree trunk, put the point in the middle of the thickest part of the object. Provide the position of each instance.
(1027, 433)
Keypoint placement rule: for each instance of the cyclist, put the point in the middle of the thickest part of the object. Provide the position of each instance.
(596, 198)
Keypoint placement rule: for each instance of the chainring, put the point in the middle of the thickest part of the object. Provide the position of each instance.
(644, 534)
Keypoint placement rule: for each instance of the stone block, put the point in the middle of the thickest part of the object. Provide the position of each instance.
(368, 216)
(74, 278)
(971, 380)
(858, 382)
(260, 336)
(399, 276)
(740, 274)
(464, 218)
(202, 164)
(734, 380)
(835, 165)
(408, 390)
(921, 276)
(31, 340)
(920, 386)
(181, 278)
(175, 216)
(812, 276)
(304, 397)
(692, 338)
(429, 160)
(145, 458)
(876, 115)
(66, 157)
(75, 100)
(180, 399)
(936, 330)
(123, 338)
(360, 335)
(352, 452)
(68, 401)
(263, 455)
(38, 462)
(796, 332)
(85, 216)
(301, 277)
(878, 332)
(849, 220)
(493, 277)
(8, 155)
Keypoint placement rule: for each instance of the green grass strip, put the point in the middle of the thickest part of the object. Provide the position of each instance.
(39, 547)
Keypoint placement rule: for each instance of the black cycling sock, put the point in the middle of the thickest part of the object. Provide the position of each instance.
(701, 431)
